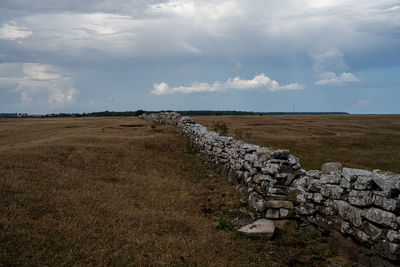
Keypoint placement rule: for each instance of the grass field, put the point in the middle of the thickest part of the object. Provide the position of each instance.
(357, 141)
(122, 191)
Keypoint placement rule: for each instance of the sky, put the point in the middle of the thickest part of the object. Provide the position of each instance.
(250, 55)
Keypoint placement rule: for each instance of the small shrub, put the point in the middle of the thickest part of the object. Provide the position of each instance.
(223, 223)
(219, 127)
(249, 135)
(139, 112)
(189, 149)
(238, 134)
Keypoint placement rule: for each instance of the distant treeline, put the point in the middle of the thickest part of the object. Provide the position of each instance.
(138, 112)
(234, 112)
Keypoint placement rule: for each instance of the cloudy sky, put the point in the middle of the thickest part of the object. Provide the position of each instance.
(254, 55)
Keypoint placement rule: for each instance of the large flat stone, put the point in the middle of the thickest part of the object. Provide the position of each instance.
(261, 228)
(382, 217)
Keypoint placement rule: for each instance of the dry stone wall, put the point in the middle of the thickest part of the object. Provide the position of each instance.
(356, 203)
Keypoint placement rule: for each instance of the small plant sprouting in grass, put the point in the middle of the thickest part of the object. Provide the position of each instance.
(238, 134)
(219, 127)
(223, 223)
(189, 149)
(248, 135)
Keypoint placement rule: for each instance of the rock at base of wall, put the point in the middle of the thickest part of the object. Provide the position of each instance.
(261, 228)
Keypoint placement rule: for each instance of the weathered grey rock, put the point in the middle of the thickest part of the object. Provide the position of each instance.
(330, 178)
(345, 227)
(307, 208)
(276, 204)
(332, 168)
(348, 212)
(389, 183)
(362, 236)
(344, 183)
(250, 157)
(254, 197)
(360, 198)
(385, 203)
(328, 211)
(271, 168)
(261, 228)
(272, 214)
(332, 191)
(313, 185)
(283, 213)
(260, 205)
(317, 197)
(372, 231)
(351, 174)
(382, 217)
(258, 178)
(393, 236)
(289, 179)
(281, 154)
(364, 183)
(314, 174)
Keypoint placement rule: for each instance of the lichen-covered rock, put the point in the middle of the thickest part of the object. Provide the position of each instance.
(382, 217)
(360, 198)
(272, 214)
(348, 212)
(385, 203)
(330, 178)
(364, 183)
(393, 236)
(332, 191)
(371, 230)
(388, 182)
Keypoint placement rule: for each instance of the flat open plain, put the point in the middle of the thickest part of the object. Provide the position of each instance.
(357, 141)
(118, 191)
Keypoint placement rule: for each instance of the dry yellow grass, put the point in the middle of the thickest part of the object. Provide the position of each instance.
(358, 141)
(121, 191)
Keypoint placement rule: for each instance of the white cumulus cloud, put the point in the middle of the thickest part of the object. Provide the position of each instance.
(332, 79)
(11, 31)
(37, 81)
(259, 82)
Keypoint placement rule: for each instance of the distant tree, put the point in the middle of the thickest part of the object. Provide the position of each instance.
(219, 113)
(139, 112)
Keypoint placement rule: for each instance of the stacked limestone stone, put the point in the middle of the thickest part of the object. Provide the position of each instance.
(357, 203)
(263, 177)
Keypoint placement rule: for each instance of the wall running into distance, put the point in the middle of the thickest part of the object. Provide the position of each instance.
(359, 205)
